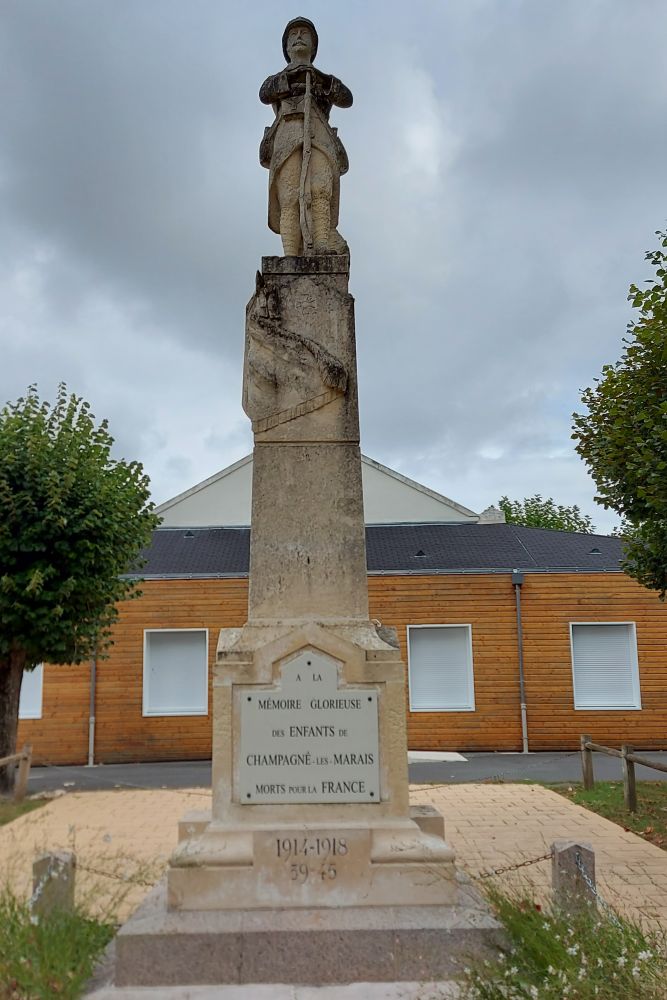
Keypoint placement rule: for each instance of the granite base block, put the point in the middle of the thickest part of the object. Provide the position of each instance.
(302, 946)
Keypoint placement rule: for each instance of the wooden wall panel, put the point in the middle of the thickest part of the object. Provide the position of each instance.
(486, 602)
(549, 603)
(61, 735)
(123, 733)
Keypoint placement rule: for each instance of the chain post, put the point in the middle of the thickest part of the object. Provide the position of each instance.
(595, 892)
(53, 882)
(571, 891)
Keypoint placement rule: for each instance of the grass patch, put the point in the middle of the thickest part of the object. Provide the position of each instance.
(606, 799)
(53, 957)
(12, 810)
(551, 955)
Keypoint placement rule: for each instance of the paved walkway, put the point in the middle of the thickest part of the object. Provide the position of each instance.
(123, 839)
(494, 826)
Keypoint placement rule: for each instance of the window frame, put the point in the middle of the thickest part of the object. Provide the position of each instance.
(146, 711)
(32, 715)
(470, 669)
(634, 672)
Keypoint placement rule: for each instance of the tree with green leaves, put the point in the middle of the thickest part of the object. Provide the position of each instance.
(538, 512)
(72, 521)
(623, 437)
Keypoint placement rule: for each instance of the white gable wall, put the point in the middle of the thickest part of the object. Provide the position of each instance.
(389, 498)
(222, 500)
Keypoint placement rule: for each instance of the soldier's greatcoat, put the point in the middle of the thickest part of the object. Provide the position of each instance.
(286, 133)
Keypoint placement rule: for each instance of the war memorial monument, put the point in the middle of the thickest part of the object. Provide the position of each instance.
(312, 866)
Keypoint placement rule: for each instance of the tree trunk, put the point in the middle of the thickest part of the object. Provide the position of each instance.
(11, 675)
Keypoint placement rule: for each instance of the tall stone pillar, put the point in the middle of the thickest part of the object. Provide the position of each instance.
(307, 542)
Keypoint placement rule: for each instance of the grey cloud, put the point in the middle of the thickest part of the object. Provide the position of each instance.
(507, 173)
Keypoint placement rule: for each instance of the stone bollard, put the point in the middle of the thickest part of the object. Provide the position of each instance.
(570, 887)
(53, 882)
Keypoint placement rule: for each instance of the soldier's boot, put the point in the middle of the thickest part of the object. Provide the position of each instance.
(321, 215)
(290, 230)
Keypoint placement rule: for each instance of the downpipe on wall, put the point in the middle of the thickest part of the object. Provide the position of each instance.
(91, 712)
(517, 582)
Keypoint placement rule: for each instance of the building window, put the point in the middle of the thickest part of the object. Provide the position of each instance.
(604, 665)
(440, 668)
(176, 671)
(30, 702)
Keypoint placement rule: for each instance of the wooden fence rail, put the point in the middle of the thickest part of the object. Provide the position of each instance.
(628, 760)
(23, 760)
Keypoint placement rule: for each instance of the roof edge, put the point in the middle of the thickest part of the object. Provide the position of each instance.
(484, 571)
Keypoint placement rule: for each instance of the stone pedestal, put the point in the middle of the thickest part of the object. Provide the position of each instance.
(311, 868)
(332, 826)
(381, 944)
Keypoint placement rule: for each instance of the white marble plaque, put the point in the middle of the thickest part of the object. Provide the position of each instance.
(307, 740)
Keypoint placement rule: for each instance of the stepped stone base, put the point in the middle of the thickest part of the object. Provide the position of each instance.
(428, 819)
(157, 947)
(388, 865)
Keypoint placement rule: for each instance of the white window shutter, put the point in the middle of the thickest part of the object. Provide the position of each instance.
(604, 662)
(440, 668)
(30, 701)
(176, 672)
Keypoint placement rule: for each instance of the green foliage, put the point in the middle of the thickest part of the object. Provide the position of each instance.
(536, 512)
(581, 956)
(51, 957)
(606, 799)
(72, 520)
(623, 437)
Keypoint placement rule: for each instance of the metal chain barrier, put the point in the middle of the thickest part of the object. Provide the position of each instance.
(515, 867)
(592, 888)
(115, 875)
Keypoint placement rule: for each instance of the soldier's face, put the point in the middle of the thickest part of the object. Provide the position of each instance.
(300, 43)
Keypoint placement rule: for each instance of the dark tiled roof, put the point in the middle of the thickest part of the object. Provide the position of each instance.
(198, 552)
(465, 547)
(400, 548)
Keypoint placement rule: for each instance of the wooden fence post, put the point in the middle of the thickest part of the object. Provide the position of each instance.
(587, 763)
(629, 785)
(21, 786)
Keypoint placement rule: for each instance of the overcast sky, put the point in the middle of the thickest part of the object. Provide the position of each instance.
(507, 173)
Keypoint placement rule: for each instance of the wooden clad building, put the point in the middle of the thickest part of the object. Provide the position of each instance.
(470, 601)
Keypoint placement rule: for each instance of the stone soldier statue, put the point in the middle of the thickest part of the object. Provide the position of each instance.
(302, 151)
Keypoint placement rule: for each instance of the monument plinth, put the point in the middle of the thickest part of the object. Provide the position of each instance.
(311, 866)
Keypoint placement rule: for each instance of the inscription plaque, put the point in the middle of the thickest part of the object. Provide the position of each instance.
(302, 865)
(307, 740)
